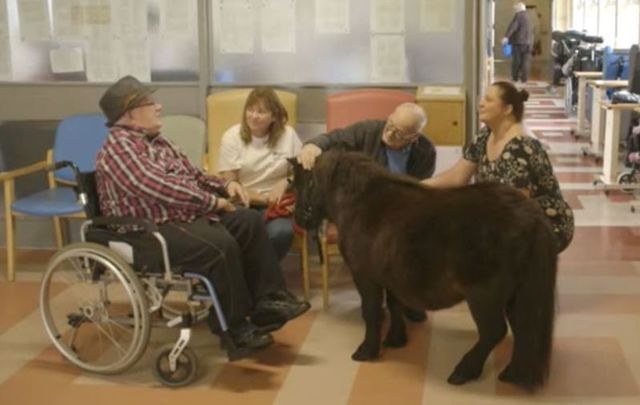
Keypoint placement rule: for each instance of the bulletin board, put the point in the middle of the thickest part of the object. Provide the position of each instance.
(320, 42)
(98, 40)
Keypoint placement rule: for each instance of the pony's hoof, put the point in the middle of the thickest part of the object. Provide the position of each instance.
(395, 340)
(364, 354)
(457, 378)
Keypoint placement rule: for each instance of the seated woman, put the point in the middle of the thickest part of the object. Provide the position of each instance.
(255, 153)
(503, 153)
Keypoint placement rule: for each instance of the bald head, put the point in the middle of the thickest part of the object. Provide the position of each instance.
(409, 116)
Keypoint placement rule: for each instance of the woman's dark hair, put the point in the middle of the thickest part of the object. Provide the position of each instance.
(510, 95)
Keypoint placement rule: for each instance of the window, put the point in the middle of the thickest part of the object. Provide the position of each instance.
(627, 28)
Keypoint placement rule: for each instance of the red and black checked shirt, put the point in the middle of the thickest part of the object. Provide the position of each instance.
(144, 177)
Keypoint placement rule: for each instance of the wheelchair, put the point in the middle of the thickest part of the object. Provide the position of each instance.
(99, 297)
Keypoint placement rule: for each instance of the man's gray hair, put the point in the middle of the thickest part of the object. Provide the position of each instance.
(418, 111)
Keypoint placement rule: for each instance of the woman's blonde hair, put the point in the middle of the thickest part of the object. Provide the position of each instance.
(269, 99)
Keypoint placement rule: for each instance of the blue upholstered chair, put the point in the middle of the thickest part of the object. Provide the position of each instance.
(78, 139)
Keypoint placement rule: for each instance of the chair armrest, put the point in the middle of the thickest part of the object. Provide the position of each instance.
(145, 224)
(25, 170)
(205, 163)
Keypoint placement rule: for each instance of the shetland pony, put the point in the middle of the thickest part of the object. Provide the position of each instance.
(432, 248)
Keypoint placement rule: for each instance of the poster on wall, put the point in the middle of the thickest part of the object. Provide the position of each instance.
(388, 59)
(33, 17)
(132, 56)
(332, 16)
(387, 17)
(178, 18)
(437, 15)
(100, 63)
(4, 19)
(6, 73)
(278, 26)
(236, 26)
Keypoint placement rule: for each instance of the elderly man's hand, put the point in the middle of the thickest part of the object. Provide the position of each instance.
(224, 205)
(307, 156)
(237, 192)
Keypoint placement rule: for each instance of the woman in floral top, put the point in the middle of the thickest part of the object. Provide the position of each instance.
(503, 153)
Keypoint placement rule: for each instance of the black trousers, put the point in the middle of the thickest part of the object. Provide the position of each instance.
(235, 254)
(521, 62)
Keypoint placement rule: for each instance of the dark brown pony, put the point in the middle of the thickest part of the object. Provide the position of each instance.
(432, 248)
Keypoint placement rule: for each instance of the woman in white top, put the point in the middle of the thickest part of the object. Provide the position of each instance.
(255, 153)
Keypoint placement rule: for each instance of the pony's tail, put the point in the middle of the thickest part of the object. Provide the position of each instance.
(534, 312)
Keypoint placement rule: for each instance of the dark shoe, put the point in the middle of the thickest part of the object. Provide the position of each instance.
(415, 315)
(279, 308)
(247, 335)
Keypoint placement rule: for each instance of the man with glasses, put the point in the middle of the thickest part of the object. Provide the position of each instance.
(142, 174)
(395, 143)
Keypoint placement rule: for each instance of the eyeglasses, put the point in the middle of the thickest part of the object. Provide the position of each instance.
(397, 135)
(146, 104)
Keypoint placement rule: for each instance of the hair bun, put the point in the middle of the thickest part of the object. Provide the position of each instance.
(524, 95)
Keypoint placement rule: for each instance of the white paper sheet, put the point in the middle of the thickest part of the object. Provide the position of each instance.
(388, 59)
(66, 60)
(237, 22)
(6, 72)
(97, 18)
(437, 15)
(4, 19)
(129, 18)
(133, 58)
(68, 18)
(387, 16)
(332, 16)
(278, 25)
(33, 16)
(101, 63)
(178, 18)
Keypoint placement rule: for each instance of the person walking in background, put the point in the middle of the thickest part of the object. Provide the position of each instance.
(520, 35)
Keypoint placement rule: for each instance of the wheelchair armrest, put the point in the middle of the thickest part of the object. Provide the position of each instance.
(143, 223)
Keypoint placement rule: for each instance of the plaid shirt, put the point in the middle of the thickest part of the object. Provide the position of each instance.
(144, 177)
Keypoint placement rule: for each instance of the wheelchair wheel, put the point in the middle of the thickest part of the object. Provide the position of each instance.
(627, 178)
(94, 308)
(186, 367)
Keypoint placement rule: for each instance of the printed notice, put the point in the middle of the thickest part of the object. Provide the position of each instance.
(133, 58)
(387, 16)
(178, 18)
(236, 26)
(101, 63)
(332, 16)
(4, 19)
(129, 18)
(437, 15)
(5, 59)
(388, 59)
(33, 16)
(278, 25)
(66, 60)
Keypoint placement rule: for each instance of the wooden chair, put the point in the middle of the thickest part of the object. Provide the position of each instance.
(78, 139)
(224, 109)
(190, 134)
(344, 109)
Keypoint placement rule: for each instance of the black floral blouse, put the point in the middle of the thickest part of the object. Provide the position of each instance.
(524, 164)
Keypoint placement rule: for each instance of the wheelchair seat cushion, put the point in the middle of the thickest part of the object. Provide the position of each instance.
(147, 252)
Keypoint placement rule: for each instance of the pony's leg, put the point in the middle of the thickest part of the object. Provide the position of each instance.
(487, 309)
(371, 296)
(397, 334)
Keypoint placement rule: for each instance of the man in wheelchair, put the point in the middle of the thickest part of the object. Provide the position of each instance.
(141, 174)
